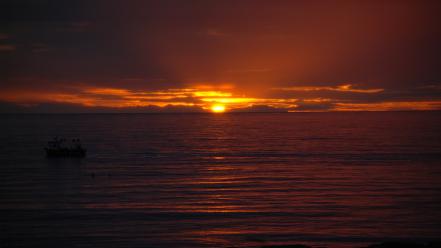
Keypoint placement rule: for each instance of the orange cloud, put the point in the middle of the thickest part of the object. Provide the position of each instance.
(212, 94)
(341, 88)
(388, 106)
(107, 91)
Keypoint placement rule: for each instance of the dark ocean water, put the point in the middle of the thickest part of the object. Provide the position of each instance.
(226, 180)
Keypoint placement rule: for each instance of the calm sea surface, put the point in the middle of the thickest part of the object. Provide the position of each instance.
(226, 180)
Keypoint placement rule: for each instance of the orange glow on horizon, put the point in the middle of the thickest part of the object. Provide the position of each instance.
(213, 100)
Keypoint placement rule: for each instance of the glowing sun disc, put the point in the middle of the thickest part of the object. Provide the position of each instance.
(218, 108)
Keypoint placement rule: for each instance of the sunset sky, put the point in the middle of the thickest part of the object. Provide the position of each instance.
(241, 55)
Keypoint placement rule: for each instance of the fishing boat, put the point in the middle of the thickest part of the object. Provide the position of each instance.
(58, 147)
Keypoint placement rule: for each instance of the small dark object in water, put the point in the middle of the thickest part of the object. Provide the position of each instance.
(57, 148)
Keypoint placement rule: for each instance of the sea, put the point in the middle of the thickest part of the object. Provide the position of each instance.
(338, 179)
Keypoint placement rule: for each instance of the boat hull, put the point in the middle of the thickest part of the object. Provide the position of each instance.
(65, 152)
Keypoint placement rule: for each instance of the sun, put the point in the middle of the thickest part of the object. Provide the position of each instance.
(218, 108)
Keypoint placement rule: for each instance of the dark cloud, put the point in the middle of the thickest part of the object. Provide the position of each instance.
(52, 108)
(313, 106)
(3, 36)
(6, 47)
